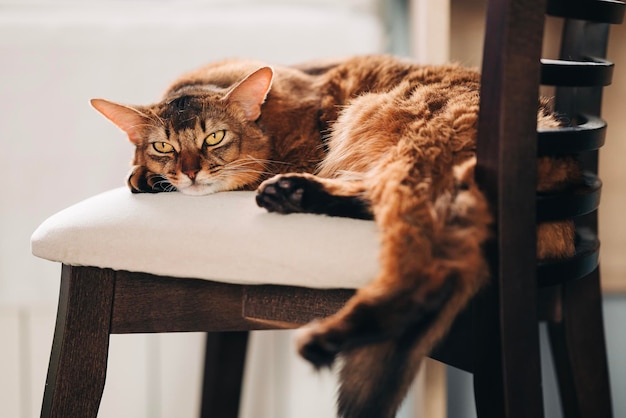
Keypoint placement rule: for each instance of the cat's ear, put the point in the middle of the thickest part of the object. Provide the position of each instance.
(250, 93)
(127, 118)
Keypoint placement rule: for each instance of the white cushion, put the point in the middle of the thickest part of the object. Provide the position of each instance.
(223, 237)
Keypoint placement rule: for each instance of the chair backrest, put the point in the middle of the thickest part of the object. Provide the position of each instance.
(508, 146)
(507, 154)
(512, 71)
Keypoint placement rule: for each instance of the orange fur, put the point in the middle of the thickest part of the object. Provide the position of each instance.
(364, 137)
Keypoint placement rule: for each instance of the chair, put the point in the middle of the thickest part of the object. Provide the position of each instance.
(501, 323)
(115, 278)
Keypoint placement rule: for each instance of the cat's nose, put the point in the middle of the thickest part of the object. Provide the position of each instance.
(191, 173)
(190, 164)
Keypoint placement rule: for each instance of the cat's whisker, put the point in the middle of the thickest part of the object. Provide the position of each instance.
(250, 172)
(251, 169)
(246, 175)
(252, 159)
(249, 175)
(245, 165)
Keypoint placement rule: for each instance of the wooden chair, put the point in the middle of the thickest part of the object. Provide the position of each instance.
(115, 279)
(501, 323)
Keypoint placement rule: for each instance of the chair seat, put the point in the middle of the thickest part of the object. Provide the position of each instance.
(222, 237)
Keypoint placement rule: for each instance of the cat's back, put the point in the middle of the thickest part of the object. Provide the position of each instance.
(339, 79)
(388, 104)
(382, 73)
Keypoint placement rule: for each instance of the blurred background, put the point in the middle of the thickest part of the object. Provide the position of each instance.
(56, 150)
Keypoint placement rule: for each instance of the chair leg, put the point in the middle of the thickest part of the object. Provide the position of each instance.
(507, 370)
(78, 360)
(223, 374)
(579, 351)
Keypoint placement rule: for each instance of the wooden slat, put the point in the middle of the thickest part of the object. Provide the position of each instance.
(586, 136)
(588, 73)
(292, 305)
(581, 200)
(553, 272)
(148, 303)
(609, 11)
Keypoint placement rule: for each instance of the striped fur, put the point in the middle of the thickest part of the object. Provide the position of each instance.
(367, 137)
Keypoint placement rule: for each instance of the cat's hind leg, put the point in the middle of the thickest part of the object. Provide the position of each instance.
(306, 193)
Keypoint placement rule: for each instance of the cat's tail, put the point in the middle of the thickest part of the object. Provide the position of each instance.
(374, 379)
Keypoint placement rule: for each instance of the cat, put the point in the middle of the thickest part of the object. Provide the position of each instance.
(369, 137)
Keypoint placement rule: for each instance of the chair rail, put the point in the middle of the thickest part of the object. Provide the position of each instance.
(588, 72)
(606, 11)
(568, 204)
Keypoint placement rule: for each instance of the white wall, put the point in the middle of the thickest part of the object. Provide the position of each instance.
(55, 150)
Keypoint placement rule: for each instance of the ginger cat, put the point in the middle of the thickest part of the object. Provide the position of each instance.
(371, 137)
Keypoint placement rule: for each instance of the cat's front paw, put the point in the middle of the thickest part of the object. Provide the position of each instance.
(283, 194)
(306, 193)
(140, 180)
(313, 344)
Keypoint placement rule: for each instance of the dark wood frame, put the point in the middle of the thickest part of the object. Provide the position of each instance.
(94, 303)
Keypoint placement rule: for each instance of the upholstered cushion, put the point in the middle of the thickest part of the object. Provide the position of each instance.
(223, 237)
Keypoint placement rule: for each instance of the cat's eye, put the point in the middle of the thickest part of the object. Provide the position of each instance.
(162, 147)
(215, 138)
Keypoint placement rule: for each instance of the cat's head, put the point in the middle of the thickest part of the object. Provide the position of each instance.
(199, 139)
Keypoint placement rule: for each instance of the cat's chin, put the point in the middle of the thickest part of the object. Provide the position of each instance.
(199, 189)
